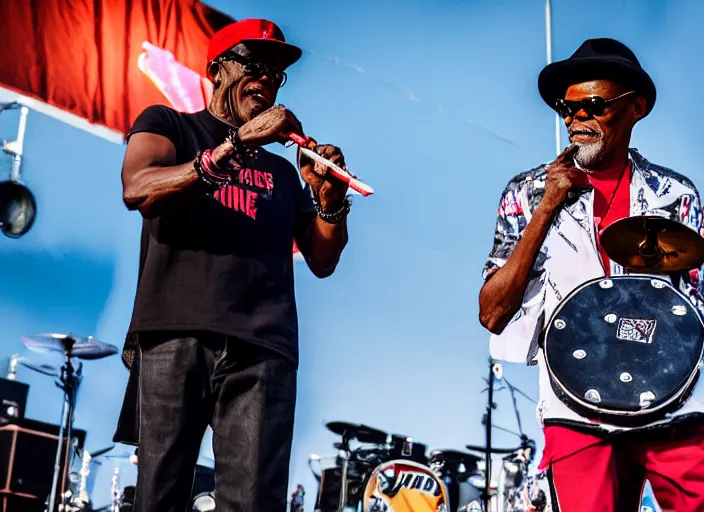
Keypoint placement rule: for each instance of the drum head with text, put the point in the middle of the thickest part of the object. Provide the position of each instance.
(404, 486)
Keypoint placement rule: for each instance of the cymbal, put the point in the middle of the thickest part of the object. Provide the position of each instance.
(361, 433)
(455, 456)
(101, 452)
(649, 243)
(493, 450)
(123, 456)
(82, 348)
(45, 369)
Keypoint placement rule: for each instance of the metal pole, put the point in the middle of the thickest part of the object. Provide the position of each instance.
(69, 381)
(548, 47)
(487, 454)
(18, 145)
(15, 148)
(54, 500)
(115, 490)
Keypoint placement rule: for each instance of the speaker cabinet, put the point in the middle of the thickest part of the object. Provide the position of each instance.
(12, 503)
(27, 456)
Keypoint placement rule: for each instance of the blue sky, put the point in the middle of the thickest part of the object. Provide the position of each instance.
(435, 104)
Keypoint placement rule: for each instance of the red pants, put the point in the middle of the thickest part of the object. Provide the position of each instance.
(609, 476)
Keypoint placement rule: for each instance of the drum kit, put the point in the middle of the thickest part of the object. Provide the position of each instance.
(73, 473)
(378, 472)
(640, 361)
(646, 342)
(643, 353)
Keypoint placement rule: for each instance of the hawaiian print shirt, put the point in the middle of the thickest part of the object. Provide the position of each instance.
(569, 257)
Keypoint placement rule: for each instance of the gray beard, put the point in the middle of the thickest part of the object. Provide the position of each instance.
(589, 154)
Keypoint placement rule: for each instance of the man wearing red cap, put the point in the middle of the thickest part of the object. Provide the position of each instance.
(214, 336)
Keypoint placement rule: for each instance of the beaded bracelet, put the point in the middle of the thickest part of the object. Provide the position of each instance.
(244, 155)
(209, 173)
(335, 217)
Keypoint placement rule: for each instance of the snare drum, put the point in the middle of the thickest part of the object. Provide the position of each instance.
(404, 486)
(624, 349)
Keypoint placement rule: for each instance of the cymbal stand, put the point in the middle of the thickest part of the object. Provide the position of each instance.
(649, 249)
(68, 382)
(115, 489)
(345, 455)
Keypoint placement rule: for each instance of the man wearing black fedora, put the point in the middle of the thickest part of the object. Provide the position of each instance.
(546, 245)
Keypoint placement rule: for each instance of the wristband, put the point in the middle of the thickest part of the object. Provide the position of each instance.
(209, 173)
(335, 217)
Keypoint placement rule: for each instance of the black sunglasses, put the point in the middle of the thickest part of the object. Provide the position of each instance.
(594, 105)
(255, 69)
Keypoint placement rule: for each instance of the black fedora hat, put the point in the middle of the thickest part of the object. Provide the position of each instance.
(596, 59)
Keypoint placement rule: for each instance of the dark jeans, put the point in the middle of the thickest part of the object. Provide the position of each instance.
(246, 393)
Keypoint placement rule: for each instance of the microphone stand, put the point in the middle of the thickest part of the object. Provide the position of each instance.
(487, 454)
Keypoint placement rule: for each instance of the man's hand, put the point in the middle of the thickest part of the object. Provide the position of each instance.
(330, 190)
(562, 177)
(221, 154)
(268, 126)
(262, 130)
(320, 242)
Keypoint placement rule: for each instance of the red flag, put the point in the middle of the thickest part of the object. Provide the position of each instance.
(82, 56)
(105, 61)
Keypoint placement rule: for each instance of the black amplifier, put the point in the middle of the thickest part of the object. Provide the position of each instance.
(13, 399)
(27, 455)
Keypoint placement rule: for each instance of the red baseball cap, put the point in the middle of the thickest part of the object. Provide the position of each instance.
(260, 40)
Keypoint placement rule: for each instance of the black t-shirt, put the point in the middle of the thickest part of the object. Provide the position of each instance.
(222, 262)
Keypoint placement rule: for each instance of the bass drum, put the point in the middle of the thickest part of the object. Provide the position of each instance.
(624, 349)
(404, 486)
